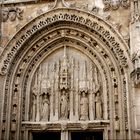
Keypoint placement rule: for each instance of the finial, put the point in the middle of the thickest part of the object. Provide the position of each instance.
(65, 61)
(59, 3)
(85, 71)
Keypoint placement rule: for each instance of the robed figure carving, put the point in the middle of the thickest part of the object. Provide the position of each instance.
(64, 105)
(98, 106)
(34, 103)
(45, 107)
(84, 104)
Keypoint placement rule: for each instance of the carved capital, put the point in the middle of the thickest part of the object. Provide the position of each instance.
(84, 125)
(44, 126)
(63, 126)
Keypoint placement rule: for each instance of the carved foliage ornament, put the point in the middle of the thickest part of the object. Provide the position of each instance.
(115, 4)
(12, 13)
(66, 17)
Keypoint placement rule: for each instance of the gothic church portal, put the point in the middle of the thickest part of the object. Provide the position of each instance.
(69, 73)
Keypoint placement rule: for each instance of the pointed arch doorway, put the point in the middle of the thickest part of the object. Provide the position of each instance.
(46, 136)
(67, 81)
(71, 136)
(80, 88)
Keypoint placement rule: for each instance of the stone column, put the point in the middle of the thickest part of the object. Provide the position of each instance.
(71, 105)
(51, 106)
(91, 117)
(64, 135)
(56, 106)
(72, 92)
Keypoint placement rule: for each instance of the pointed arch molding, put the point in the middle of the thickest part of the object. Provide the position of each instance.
(101, 29)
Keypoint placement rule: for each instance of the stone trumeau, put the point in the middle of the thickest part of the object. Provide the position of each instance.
(69, 69)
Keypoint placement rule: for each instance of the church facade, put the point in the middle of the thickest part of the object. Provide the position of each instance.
(70, 70)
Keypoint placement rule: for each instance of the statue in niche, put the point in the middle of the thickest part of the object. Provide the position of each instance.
(34, 103)
(98, 106)
(84, 105)
(45, 107)
(64, 105)
(136, 59)
(117, 123)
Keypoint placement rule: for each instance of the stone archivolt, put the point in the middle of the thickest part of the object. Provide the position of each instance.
(40, 76)
(64, 16)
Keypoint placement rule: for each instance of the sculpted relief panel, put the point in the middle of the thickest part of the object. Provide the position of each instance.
(66, 86)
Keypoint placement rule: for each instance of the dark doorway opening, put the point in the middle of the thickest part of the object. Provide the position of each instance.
(46, 136)
(87, 136)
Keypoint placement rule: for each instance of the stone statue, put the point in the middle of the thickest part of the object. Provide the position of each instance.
(84, 107)
(45, 107)
(64, 105)
(117, 123)
(34, 108)
(98, 106)
(136, 59)
(34, 104)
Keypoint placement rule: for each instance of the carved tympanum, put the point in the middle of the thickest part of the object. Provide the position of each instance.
(62, 86)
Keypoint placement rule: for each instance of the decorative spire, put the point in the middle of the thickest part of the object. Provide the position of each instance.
(59, 3)
(64, 73)
(65, 60)
(85, 71)
(84, 81)
(65, 57)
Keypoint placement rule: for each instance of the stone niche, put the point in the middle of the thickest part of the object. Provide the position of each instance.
(66, 86)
